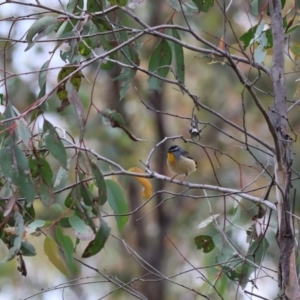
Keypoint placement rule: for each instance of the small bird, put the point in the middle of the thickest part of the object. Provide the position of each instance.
(180, 161)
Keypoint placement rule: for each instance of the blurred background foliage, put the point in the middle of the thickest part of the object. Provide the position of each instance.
(154, 230)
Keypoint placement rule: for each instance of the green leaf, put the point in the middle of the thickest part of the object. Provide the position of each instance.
(10, 113)
(115, 119)
(75, 6)
(256, 254)
(45, 192)
(78, 224)
(68, 248)
(117, 202)
(66, 30)
(248, 36)
(291, 29)
(260, 53)
(23, 133)
(39, 167)
(57, 207)
(188, 7)
(159, 64)
(78, 108)
(15, 168)
(100, 183)
(295, 48)
(231, 273)
(204, 5)
(41, 28)
(118, 2)
(3, 132)
(98, 242)
(204, 242)
(222, 285)
(39, 223)
(29, 214)
(129, 56)
(16, 239)
(27, 249)
(62, 92)
(177, 54)
(93, 6)
(60, 182)
(45, 171)
(43, 74)
(52, 251)
(86, 195)
(255, 7)
(54, 143)
(85, 47)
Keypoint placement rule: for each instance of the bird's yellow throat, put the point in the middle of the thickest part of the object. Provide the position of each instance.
(171, 157)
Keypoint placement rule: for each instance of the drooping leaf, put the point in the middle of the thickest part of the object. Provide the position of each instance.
(159, 64)
(116, 119)
(248, 36)
(255, 7)
(58, 208)
(54, 143)
(75, 6)
(204, 5)
(43, 74)
(16, 238)
(118, 2)
(23, 133)
(41, 168)
(27, 249)
(295, 49)
(292, 28)
(39, 223)
(177, 54)
(77, 224)
(90, 235)
(52, 251)
(85, 47)
(66, 30)
(116, 200)
(204, 242)
(78, 108)
(45, 192)
(10, 204)
(41, 28)
(3, 132)
(258, 35)
(256, 253)
(232, 273)
(68, 248)
(60, 182)
(9, 113)
(187, 7)
(99, 241)
(129, 56)
(75, 80)
(100, 183)
(15, 168)
(86, 195)
(93, 6)
(134, 3)
(29, 214)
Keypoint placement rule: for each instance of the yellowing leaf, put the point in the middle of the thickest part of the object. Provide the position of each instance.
(147, 191)
(51, 249)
